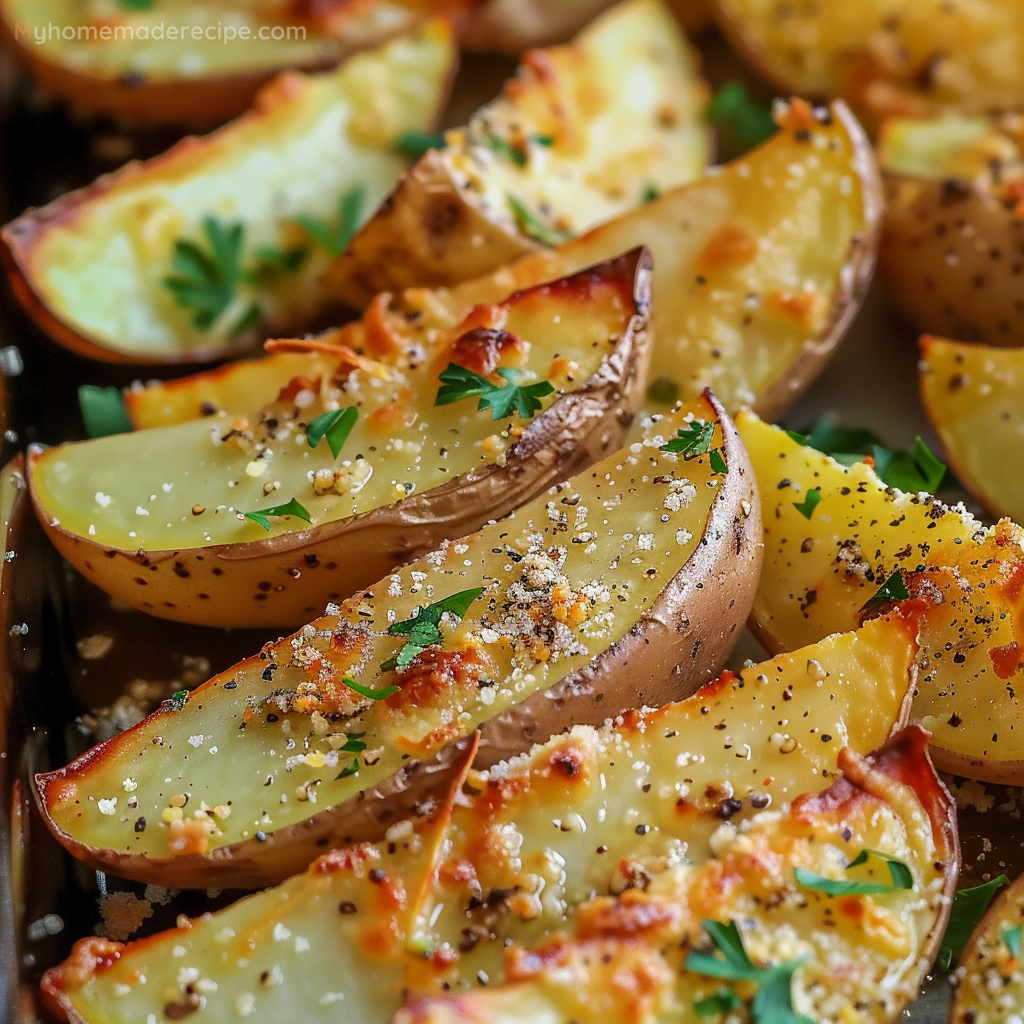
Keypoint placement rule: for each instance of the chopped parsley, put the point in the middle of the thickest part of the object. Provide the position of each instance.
(809, 504)
(423, 629)
(721, 1001)
(505, 148)
(663, 390)
(176, 701)
(270, 262)
(898, 871)
(365, 691)
(262, 515)
(692, 440)
(335, 237)
(773, 1000)
(744, 122)
(103, 411)
(335, 425)
(1013, 940)
(893, 589)
(415, 144)
(650, 193)
(137, 5)
(532, 226)
(503, 400)
(205, 279)
(717, 461)
(969, 906)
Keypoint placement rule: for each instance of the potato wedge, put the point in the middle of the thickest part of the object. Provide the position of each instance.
(754, 287)
(886, 57)
(197, 62)
(974, 398)
(820, 572)
(171, 538)
(511, 26)
(583, 133)
(640, 609)
(631, 958)
(951, 239)
(652, 767)
(92, 268)
(991, 988)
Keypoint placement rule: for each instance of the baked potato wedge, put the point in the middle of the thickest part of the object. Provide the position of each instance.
(821, 571)
(193, 62)
(648, 953)
(974, 398)
(255, 520)
(951, 239)
(886, 57)
(196, 254)
(622, 588)
(991, 988)
(754, 287)
(652, 767)
(583, 133)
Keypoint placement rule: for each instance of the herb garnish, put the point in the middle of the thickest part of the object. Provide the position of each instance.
(663, 390)
(335, 425)
(717, 461)
(335, 238)
(271, 262)
(205, 280)
(137, 5)
(898, 871)
(505, 148)
(721, 1001)
(415, 144)
(650, 193)
(893, 589)
(262, 515)
(1013, 939)
(809, 504)
(532, 226)
(366, 691)
(773, 1001)
(745, 122)
(502, 399)
(176, 701)
(423, 629)
(692, 440)
(969, 906)
(103, 411)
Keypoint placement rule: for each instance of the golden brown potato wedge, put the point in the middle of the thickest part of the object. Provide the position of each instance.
(583, 133)
(820, 573)
(974, 398)
(193, 62)
(198, 253)
(647, 790)
(991, 980)
(622, 588)
(951, 238)
(886, 57)
(637, 955)
(176, 536)
(754, 287)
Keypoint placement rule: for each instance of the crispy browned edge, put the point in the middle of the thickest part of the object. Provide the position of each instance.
(428, 234)
(712, 593)
(854, 276)
(571, 434)
(22, 235)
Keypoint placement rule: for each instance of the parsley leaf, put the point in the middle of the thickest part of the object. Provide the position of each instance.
(177, 701)
(502, 400)
(717, 461)
(773, 1001)
(103, 411)
(415, 144)
(335, 425)
(1013, 939)
(352, 769)
(533, 227)
(898, 871)
(969, 906)
(205, 280)
(692, 440)
(365, 691)
(649, 194)
(262, 515)
(270, 263)
(505, 148)
(663, 390)
(335, 238)
(809, 504)
(137, 5)
(721, 1001)
(745, 122)
(893, 589)
(423, 629)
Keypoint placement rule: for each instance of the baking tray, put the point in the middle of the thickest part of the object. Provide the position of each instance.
(68, 650)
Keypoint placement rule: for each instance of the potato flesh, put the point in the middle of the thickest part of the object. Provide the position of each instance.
(619, 547)
(403, 441)
(974, 397)
(865, 955)
(597, 785)
(944, 147)
(889, 58)
(819, 573)
(102, 269)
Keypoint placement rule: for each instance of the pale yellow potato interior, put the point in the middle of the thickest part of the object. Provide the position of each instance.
(940, 147)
